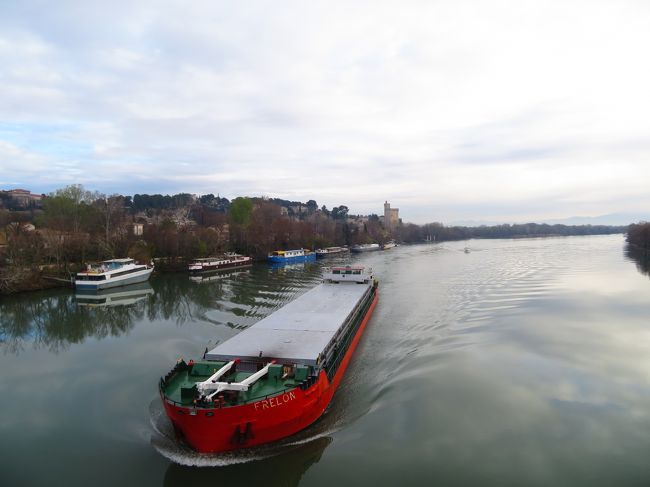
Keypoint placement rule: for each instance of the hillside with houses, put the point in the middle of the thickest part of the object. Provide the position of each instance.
(58, 233)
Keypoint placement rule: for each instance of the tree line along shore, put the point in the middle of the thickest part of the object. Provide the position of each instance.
(58, 234)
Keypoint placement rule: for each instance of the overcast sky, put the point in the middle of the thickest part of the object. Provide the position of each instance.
(451, 110)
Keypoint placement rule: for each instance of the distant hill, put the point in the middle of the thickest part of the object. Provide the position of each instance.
(474, 223)
(609, 219)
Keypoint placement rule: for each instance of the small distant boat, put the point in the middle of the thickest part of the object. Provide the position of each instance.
(365, 248)
(330, 251)
(389, 245)
(286, 256)
(227, 261)
(466, 250)
(112, 273)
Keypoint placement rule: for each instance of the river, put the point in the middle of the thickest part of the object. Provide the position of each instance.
(518, 362)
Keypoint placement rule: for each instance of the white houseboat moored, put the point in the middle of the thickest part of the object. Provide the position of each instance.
(112, 273)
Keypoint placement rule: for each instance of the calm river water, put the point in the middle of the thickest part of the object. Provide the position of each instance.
(522, 362)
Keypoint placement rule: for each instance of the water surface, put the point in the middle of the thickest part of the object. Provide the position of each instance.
(522, 362)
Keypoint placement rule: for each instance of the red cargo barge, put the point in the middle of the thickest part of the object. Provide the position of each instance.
(276, 377)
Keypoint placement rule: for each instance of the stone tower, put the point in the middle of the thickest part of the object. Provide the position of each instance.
(391, 217)
(387, 215)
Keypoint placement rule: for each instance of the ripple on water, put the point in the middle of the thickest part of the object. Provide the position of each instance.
(453, 302)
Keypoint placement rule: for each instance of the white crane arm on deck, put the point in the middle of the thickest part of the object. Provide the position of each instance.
(214, 377)
(217, 387)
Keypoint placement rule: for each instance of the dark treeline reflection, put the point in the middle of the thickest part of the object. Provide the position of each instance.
(237, 298)
(181, 298)
(55, 319)
(640, 257)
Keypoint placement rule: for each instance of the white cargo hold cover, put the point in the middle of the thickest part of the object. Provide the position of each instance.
(301, 330)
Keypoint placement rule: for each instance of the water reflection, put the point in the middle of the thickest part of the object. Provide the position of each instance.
(54, 320)
(290, 265)
(640, 257)
(217, 275)
(122, 296)
(237, 299)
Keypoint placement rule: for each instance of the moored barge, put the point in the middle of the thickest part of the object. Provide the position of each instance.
(227, 261)
(291, 256)
(276, 377)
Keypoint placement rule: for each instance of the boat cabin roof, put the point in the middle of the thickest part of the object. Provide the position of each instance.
(118, 261)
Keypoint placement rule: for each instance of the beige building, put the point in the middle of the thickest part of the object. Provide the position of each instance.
(24, 198)
(391, 217)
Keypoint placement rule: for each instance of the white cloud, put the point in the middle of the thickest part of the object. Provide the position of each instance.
(491, 110)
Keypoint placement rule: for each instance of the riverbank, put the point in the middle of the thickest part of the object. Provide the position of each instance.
(18, 280)
(14, 280)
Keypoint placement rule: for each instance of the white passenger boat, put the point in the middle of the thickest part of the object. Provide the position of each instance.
(365, 248)
(389, 245)
(112, 273)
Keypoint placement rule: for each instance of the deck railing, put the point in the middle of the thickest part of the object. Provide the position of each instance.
(332, 363)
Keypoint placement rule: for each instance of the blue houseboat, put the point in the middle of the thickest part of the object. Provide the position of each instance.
(286, 256)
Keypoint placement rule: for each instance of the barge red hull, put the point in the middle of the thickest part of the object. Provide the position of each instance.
(210, 430)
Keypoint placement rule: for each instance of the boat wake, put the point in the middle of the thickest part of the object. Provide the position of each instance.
(164, 441)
